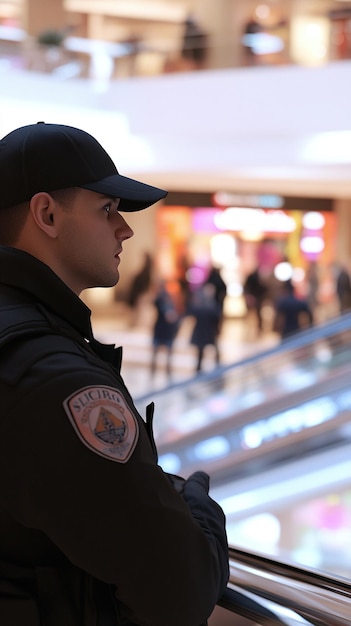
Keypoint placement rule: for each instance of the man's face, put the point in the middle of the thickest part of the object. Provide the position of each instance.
(90, 237)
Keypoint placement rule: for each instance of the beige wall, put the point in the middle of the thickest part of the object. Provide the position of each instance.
(38, 16)
(224, 21)
(342, 209)
(144, 225)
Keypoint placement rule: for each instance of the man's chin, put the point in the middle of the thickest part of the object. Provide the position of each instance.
(111, 282)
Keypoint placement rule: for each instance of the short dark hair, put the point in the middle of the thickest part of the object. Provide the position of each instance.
(64, 196)
(12, 219)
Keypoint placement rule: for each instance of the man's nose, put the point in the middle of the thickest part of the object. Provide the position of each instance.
(123, 230)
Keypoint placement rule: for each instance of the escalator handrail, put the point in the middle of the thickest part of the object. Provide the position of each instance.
(249, 606)
(294, 342)
(336, 584)
(322, 599)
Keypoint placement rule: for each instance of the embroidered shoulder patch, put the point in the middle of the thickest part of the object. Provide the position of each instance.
(103, 421)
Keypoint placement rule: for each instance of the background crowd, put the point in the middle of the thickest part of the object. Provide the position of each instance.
(271, 305)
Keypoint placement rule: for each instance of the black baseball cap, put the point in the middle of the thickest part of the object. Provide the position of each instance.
(47, 157)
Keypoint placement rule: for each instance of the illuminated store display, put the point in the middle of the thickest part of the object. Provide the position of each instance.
(238, 238)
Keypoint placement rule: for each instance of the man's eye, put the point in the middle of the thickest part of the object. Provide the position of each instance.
(107, 208)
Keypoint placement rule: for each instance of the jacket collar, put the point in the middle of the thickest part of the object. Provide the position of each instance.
(26, 273)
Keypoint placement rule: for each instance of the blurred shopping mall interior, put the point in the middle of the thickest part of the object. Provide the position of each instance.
(240, 109)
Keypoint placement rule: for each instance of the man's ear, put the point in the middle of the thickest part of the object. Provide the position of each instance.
(42, 207)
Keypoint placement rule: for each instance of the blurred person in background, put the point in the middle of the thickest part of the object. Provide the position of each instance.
(312, 277)
(256, 290)
(195, 43)
(165, 327)
(343, 289)
(207, 315)
(220, 288)
(291, 313)
(140, 286)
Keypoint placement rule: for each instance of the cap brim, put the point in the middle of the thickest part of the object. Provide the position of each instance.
(134, 195)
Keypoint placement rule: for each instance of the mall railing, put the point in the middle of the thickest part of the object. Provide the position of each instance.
(260, 49)
(294, 394)
(268, 592)
(250, 607)
(330, 334)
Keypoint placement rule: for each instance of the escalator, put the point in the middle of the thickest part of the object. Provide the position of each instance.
(283, 404)
(268, 592)
(273, 431)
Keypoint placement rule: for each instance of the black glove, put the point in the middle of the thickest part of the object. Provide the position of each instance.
(211, 518)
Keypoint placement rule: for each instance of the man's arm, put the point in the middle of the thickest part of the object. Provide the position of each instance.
(121, 522)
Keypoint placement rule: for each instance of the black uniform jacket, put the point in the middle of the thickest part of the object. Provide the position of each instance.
(92, 531)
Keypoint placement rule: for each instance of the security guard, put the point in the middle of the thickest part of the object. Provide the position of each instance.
(92, 531)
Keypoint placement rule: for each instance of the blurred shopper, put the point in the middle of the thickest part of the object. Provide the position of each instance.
(343, 289)
(207, 314)
(255, 290)
(291, 313)
(220, 288)
(140, 285)
(165, 327)
(312, 276)
(249, 40)
(93, 531)
(195, 43)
